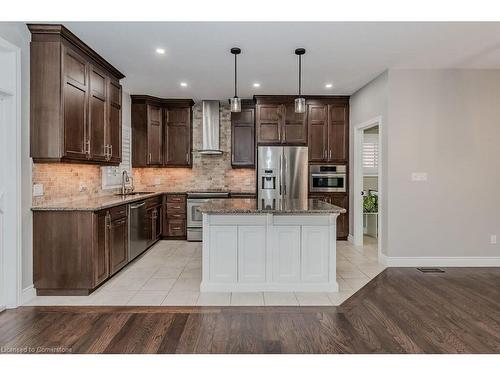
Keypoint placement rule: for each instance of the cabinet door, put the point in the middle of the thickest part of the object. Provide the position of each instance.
(114, 136)
(150, 226)
(294, 130)
(154, 135)
(101, 253)
(243, 138)
(118, 235)
(178, 136)
(268, 123)
(75, 102)
(317, 118)
(158, 222)
(341, 200)
(98, 114)
(314, 253)
(338, 137)
(286, 253)
(223, 253)
(251, 254)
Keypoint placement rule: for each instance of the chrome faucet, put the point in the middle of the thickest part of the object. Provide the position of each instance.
(126, 179)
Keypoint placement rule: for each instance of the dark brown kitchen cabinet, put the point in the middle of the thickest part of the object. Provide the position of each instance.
(161, 132)
(154, 131)
(118, 244)
(174, 213)
(70, 113)
(101, 254)
(341, 200)
(76, 251)
(154, 215)
(243, 137)
(277, 123)
(177, 135)
(328, 127)
(114, 134)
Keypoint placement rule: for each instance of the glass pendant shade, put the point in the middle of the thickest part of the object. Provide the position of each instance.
(300, 105)
(235, 104)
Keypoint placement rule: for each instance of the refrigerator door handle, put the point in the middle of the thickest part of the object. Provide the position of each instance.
(281, 170)
(284, 175)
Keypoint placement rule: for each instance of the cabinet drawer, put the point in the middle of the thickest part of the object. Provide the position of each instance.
(118, 212)
(176, 228)
(175, 215)
(176, 208)
(176, 198)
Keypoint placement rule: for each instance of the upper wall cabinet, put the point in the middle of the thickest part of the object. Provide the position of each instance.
(328, 129)
(75, 102)
(277, 123)
(161, 132)
(243, 136)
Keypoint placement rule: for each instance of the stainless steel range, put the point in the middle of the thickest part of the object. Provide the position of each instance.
(194, 217)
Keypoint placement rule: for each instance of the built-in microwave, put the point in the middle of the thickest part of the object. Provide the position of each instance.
(327, 179)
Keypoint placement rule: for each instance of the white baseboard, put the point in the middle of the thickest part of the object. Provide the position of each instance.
(28, 294)
(269, 287)
(350, 238)
(440, 261)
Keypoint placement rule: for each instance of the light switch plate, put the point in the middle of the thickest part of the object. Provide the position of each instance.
(493, 239)
(419, 176)
(37, 190)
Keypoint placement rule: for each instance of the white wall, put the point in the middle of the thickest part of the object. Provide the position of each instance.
(367, 103)
(445, 123)
(18, 34)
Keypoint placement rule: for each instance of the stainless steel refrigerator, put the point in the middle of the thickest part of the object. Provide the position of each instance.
(282, 174)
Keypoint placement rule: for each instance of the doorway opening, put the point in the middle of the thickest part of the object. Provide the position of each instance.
(368, 185)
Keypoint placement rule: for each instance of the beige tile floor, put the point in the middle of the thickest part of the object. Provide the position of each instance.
(169, 274)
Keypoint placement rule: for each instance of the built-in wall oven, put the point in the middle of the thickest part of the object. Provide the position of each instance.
(194, 216)
(327, 179)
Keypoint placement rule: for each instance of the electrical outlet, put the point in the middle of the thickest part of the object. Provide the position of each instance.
(419, 176)
(493, 239)
(37, 190)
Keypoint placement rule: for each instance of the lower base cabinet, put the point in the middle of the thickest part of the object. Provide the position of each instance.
(341, 200)
(286, 253)
(118, 244)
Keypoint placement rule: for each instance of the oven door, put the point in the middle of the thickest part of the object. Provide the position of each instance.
(327, 182)
(194, 216)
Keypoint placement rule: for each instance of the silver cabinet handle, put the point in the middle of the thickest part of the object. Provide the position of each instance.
(330, 155)
(150, 157)
(137, 205)
(284, 172)
(110, 148)
(281, 170)
(87, 148)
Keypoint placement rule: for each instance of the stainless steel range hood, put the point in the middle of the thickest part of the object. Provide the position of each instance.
(210, 128)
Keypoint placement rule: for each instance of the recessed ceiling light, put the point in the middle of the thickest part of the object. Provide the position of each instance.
(329, 85)
(160, 51)
(184, 84)
(256, 84)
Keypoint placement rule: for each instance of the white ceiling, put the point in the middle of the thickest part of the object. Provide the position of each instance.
(346, 54)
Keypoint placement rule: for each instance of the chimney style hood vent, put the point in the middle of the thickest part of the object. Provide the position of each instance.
(210, 128)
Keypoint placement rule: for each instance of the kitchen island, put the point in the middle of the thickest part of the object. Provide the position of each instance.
(285, 246)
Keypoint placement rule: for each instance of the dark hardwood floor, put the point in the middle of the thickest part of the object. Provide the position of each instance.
(401, 311)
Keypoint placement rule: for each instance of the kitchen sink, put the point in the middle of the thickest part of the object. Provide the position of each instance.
(133, 193)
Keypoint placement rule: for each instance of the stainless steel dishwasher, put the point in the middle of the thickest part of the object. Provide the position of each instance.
(138, 229)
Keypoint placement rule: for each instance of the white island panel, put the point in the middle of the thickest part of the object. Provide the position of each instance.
(267, 252)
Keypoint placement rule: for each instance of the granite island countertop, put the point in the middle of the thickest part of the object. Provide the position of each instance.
(93, 203)
(254, 206)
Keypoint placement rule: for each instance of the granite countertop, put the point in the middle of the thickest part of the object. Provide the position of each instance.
(93, 203)
(254, 206)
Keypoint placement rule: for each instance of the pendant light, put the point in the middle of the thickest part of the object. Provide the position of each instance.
(300, 103)
(235, 101)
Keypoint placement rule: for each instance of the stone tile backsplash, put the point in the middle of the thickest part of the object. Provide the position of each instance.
(209, 172)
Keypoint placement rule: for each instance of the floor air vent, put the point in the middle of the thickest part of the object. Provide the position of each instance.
(430, 270)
